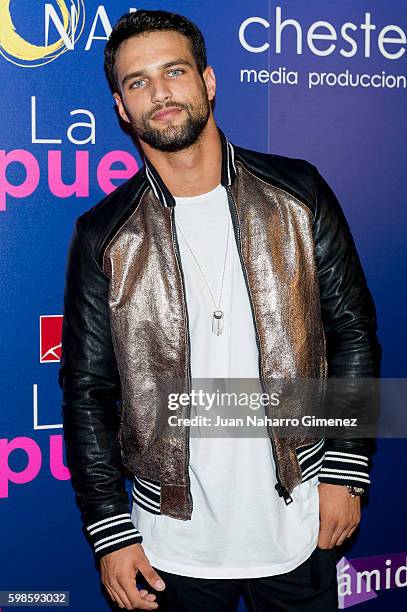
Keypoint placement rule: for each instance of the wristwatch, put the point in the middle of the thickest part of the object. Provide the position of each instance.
(355, 491)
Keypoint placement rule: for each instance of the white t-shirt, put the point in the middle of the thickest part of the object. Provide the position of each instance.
(240, 527)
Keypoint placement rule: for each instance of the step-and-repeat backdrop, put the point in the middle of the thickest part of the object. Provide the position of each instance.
(324, 81)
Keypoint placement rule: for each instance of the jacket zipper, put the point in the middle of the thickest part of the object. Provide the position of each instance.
(280, 488)
(178, 257)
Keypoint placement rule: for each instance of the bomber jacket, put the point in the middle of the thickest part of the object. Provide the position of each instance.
(126, 333)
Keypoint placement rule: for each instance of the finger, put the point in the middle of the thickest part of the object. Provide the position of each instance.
(325, 535)
(357, 515)
(343, 529)
(151, 575)
(121, 593)
(344, 535)
(354, 522)
(115, 597)
(145, 594)
(352, 531)
(111, 595)
(133, 596)
(337, 534)
(348, 532)
(118, 601)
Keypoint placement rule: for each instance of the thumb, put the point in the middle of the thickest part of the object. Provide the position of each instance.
(149, 573)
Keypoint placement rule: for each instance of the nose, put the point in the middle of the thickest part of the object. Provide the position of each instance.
(160, 92)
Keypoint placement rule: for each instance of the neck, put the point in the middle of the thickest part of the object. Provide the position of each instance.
(194, 170)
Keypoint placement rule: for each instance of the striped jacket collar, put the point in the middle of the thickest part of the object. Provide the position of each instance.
(227, 175)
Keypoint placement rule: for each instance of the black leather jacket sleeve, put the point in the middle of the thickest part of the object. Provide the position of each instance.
(350, 324)
(90, 382)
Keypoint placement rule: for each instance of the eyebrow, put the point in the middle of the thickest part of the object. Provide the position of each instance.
(138, 73)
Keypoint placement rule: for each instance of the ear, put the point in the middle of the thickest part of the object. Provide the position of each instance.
(120, 107)
(209, 78)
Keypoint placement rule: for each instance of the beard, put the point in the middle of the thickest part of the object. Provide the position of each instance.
(174, 137)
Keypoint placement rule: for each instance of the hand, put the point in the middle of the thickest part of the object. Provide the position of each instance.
(339, 514)
(118, 572)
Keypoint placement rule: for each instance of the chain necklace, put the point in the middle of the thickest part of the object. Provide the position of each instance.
(218, 314)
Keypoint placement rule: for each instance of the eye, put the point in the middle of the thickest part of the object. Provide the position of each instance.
(135, 85)
(177, 70)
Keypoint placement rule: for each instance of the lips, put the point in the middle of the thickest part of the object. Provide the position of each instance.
(166, 113)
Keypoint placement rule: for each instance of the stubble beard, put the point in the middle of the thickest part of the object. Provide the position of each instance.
(174, 137)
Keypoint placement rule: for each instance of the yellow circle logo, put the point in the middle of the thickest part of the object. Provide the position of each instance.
(15, 49)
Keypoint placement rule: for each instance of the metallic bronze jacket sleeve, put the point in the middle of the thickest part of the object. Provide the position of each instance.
(90, 382)
(350, 325)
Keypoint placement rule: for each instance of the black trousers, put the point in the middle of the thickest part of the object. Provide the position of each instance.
(310, 587)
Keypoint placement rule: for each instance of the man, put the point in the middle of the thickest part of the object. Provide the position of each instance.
(212, 261)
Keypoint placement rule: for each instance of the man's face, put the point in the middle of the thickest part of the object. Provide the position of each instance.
(162, 95)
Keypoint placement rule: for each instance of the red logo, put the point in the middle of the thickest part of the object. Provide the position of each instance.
(50, 338)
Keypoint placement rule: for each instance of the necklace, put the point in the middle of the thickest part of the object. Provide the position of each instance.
(218, 314)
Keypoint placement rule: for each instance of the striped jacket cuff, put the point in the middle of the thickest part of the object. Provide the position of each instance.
(345, 466)
(111, 533)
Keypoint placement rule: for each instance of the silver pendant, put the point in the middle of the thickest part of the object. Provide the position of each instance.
(217, 322)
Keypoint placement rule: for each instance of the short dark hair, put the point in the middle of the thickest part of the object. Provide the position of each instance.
(142, 21)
